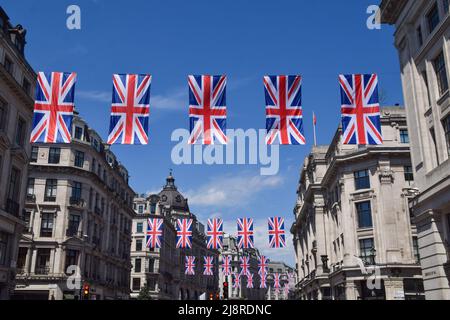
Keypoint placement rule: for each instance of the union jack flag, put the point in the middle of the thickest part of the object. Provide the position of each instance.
(226, 265)
(130, 109)
(236, 281)
(263, 282)
(184, 233)
(53, 107)
(360, 109)
(276, 281)
(190, 265)
(245, 233)
(208, 266)
(245, 265)
(249, 281)
(262, 265)
(215, 233)
(207, 108)
(284, 115)
(154, 233)
(277, 236)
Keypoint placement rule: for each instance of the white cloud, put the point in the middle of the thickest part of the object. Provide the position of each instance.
(231, 191)
(100, 96)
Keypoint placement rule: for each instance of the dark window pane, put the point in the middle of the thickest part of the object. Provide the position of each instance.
(409, 176)
(441, 73)
(366, 248)
(34, 154)
(433, 18)
(54, 155)
(446, 125)
(364, 214)
(79, 159)
(362, 179)
(404, 136)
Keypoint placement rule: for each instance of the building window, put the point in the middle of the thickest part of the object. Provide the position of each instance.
(141, 209)
(71, 258)
(445, 5)
(136, 284)
(34, 154)
(20, 131)
(54, 155)
(364, 214)
(42, 261)
(12, 205)
(3, 115)
(30, 187)
(51, 186)
(416, 249)
(76, 190)
(409, 176)
(137, 265)
(8, 65)
(366, 247)
(446, 124)
(404, 136)
(79, 159)
(153, 208)
(78, 133)
(74, 224)
(419, 36)
(362, 179)
(151, 265)
(139, 245)
(441, 73)
(139, 227)
(26, 85)
(47, 225)
(3, 248)
(433, 18)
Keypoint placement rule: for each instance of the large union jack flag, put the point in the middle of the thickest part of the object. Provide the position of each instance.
(190, 266)
(184, 233)
(245, 233)
(277, 234)
(360, 109)
(154, 232)
(226, 265)
(249, 281)
(207, 109)
(284, 116)
(214, 233)
(130, 109)
(245, 265)
(262, 265)
(53, 107)
(208, 266)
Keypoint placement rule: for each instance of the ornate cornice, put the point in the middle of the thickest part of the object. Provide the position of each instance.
(391, 9)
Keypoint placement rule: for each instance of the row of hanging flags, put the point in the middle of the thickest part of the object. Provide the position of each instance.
(130, 109)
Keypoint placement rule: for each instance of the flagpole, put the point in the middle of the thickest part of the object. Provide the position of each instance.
(314, 129)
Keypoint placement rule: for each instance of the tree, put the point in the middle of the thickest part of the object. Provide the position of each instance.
(144, 294)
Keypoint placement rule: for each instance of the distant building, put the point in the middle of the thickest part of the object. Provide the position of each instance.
(162, 271)
(422, 38)
(288, 278)
(17, 80)
(78, 214)
(352, 219)
(230, 248)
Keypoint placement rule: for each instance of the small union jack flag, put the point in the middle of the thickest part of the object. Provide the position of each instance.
(284, 115)
(184, 233)
(276, 281)
(53, 107)
(190, 265)
(245, 265)
(130, 109)
(249, 281)
(236, 281)
(154, 232)
(360, 109)
(277, 234)
(263, 281)
(262, 265)
(207, 108)
(245, 233)
(215, 233)
(208, 266)
(226, 265)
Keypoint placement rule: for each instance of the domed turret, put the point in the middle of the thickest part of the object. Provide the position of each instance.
(169, 196)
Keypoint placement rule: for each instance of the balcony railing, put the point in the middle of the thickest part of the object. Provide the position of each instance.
(42, 270)
(12, 207)
(49, 198)
(76, 201)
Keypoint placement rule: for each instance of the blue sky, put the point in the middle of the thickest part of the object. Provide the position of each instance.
(243, 39)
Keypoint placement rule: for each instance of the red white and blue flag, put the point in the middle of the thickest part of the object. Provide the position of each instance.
(130, 109)
(249, 281)
(53, 107)
(190, 266)
(184, 233)
(215, 233)
(236, 280)
(245, 233)
(276, 281)
(262, 265)
(284, 115)
(245, 265)
(208, 264)
(263, 281)
(277, 234)
(207, 109)
(154, 232)
(226, 265)
(360, 109)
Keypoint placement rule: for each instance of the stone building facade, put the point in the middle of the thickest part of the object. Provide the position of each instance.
(16, 111)
(288, 278)
(79, 211)
(162, 271)
(422, 38)
(353, 234)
